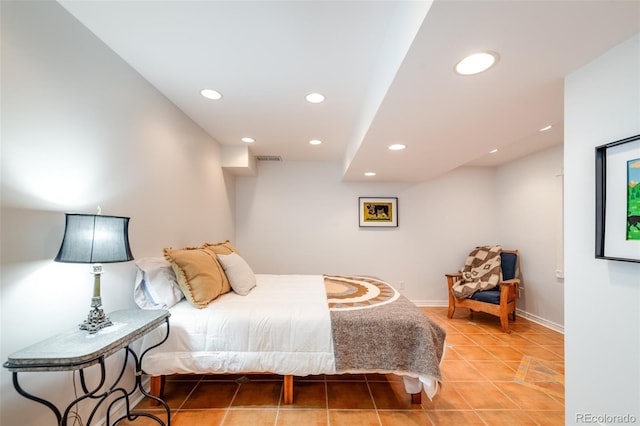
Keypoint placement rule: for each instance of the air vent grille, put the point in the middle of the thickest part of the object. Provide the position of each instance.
(268, 158)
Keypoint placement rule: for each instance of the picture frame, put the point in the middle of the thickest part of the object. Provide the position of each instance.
(618, 200)
(378, 211)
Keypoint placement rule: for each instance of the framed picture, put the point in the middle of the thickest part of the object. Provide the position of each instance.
(378, 211)
(618, 200)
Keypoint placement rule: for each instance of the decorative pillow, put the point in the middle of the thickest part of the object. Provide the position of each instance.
(222, 248)
(198, 273)
(238, 272)
(156, 286)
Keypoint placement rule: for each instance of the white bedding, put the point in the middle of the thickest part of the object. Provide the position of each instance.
(282, 326)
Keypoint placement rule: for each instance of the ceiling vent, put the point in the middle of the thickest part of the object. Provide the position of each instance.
(268, 158)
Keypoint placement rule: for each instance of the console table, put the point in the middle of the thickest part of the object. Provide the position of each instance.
(76, 350)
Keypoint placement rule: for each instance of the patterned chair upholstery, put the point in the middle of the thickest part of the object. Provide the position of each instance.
(500, 301)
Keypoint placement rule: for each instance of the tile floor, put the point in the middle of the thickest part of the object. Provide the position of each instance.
(484, 383)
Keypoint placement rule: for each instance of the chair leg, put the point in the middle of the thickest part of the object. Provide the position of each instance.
(504, 322)
(452, 309)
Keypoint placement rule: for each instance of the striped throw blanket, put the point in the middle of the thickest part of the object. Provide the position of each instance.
(482, 271)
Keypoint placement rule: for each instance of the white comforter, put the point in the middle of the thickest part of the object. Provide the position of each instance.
(282, 326)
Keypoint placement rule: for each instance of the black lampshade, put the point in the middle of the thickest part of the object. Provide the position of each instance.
(92, 238)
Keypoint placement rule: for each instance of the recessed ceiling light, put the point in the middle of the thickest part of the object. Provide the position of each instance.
(211, 94)
(370, 173)
(476, 63)
(397, 147)
(545, 128)
(315, 142)
(248, 140)
(493, 151)
(315, 98)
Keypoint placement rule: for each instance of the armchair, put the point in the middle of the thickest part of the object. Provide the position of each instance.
(499, 301)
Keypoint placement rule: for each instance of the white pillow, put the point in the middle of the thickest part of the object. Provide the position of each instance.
(238, 272)
(156, 286)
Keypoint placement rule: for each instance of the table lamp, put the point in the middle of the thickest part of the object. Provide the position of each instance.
(95, 239)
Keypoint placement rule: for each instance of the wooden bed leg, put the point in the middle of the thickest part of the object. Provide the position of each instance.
(416, 398)
(157, 388)
(288, 389)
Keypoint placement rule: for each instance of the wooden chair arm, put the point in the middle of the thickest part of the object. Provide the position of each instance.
(452, 279)
(513, 281)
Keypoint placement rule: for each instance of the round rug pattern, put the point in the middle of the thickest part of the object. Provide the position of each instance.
(349, 293)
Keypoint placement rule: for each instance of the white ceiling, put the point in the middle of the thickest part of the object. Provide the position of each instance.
(385, 67)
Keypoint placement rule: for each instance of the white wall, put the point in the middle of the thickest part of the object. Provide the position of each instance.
(529, 211)
(299, 217)
(81, 128)
(602, 307)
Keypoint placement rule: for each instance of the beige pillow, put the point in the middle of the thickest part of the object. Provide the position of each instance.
(198, 273)
(239, 273)
(222, 248)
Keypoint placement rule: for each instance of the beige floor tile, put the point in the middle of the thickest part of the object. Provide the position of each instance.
(404, 418)
(467, 326)
(258, 394)
(494, 370)
(541, 353)
(548, 418)
(199, 417)
(455, 418)
(556, 349)
(546, 338)
(302, 417)
(175, 394)
(349, 395)
(451, 353)
(211, 395)
(459, 339)
(353, 418)
(391, 396)
(243, 417)
(474, 353)
(456, 370)
(506, 417)
(529, 399)
(484, 396)
(505, 353)
(144, 420)
(485, 340)
(446, 399)
(513, 339)
(308, 395)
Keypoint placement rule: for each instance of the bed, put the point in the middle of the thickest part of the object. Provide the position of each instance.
(290, 325)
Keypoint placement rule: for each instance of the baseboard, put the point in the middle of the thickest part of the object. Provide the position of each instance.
(539, 320)
(531, 317)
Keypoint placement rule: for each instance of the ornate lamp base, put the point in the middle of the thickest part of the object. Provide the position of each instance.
(96, 320)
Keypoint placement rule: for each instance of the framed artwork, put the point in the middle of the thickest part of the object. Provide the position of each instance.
(618, 200)
(378, 211)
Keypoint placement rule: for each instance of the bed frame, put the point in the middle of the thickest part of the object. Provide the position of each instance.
(158, 384)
